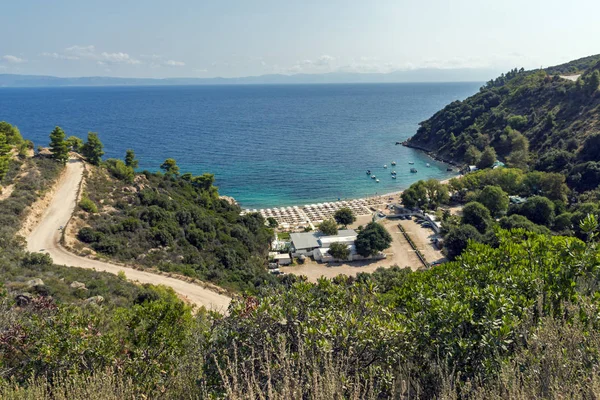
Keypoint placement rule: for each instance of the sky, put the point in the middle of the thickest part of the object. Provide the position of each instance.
(231, 38)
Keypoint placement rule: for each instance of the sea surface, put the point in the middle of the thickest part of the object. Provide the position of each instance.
(268, 145)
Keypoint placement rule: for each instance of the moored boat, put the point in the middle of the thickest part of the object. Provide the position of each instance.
(413, 170)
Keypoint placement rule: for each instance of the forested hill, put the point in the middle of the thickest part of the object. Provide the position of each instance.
(531, 119)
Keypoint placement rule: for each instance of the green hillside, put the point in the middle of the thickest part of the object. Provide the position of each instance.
(532, 119)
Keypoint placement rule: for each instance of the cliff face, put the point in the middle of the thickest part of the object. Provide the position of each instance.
(537, 119)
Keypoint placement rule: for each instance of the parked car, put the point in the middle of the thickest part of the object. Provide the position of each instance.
(273, 265)
(275, 271)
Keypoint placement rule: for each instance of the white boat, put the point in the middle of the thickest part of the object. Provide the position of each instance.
(393, 176)
(411, 162)
(427, 165)
(377, 180)
(413, 170)
(385, 166)
(393, 162)
(393, 172)
(373, 177)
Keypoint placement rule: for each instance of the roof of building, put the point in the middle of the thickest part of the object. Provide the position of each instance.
(283, 256)
(304, 240)
(309, 240)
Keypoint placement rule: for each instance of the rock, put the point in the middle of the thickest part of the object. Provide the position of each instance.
(95, 300)
(35, 282)
(78, 285)
(23, 299)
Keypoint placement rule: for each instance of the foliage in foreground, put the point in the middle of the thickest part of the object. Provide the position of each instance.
(474, 326)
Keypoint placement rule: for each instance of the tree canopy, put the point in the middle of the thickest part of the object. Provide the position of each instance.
(328, 227)
(373, 239)
(170, 167)
(494, 199)
(339, 251)
(58, 145)
(477, 215)
(344, 216)
(93, 149)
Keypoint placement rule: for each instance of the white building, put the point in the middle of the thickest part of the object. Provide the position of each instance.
(316, 244)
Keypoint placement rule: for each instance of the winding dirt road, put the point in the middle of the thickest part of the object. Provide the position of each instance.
(45, 237)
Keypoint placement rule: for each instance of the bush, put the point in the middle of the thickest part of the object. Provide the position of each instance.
(88, 205)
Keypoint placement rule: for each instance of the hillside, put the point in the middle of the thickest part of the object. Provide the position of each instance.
(532, 119)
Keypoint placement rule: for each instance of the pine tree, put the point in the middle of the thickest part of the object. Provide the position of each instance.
(4, 156)
(92, 149)
(58, 145)
(130, 160)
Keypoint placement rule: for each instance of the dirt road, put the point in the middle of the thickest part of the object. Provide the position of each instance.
(45, 237)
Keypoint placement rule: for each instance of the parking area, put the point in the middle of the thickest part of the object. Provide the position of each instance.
(423, 238)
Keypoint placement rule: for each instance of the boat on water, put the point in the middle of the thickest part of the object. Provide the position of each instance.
(427, 165)
(411, 162)
(393, 176)
(373, 177)
(449, 169)
(393, 172)
(368, 172)
(413, 170)
(377, 180)
(385, 166)
(393, 162)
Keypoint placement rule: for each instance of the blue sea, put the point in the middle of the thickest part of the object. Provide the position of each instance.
(268, 145)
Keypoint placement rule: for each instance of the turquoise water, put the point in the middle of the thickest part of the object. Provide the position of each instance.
(268, 145)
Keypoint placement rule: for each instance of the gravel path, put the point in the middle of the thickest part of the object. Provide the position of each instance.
(46, 236)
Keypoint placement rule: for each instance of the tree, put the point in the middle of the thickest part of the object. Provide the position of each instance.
(472, 155)
(539, 210)
(4, 156)
(272, 222)
(130, 160)
(11, 132)
(75, 144)
(477, 215)
(328, 227)
(372, 239)
(436, 192)
(170, 167)
(517, 221)
(494, 199)
(591, 82)
(590, 151)
(415, 196)
(458, 238)
(92, 149)
(339, 251)
(344, 216)
(58, 145)
(488, 158)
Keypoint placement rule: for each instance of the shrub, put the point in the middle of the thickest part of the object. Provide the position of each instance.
(88, 205)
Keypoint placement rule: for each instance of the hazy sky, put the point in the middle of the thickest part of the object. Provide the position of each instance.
(206, 38)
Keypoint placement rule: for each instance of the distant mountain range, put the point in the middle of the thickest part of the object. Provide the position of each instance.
(416, 75)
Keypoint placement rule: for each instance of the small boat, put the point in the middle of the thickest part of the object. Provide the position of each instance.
(427, 165)
(413, 170)
(411, 162)
(393, 162)
(393, 172)
(385, 166)
(373, 177)
(393, 176)
(368, 172)
(449, 169)
(397, 143)
(377, 180)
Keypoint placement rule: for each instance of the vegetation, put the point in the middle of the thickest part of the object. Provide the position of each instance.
(170, 167)
(428, 194)
(344, 216)
(373, 239)
(328, 227)
(130, 160)
(177, 224)
(339, 251)
(93, 149)
(58, 145)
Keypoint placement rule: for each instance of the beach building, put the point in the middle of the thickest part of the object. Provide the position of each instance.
(307, 243)
(283, 259)
(433, 221)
